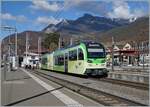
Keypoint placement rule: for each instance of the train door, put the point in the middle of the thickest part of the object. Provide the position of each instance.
(66, 63)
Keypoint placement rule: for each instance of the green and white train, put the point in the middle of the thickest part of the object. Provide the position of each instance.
(86, 58)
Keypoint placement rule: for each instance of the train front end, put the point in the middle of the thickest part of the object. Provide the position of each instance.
(95, 59)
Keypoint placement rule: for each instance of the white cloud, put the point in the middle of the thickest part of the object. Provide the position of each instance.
(121, 9)
(45, 5)
(47, 20)
(88, 6)
(71, 3)
(21, 18)
(8, 16)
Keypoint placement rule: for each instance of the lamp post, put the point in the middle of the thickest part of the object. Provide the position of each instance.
(9, 28)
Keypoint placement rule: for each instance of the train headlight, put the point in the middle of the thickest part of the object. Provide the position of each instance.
(103, 64)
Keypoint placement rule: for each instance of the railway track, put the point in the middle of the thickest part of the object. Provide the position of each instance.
(99, 96)
(136, 85)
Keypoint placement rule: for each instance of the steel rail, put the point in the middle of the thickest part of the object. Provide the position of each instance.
(131, 84)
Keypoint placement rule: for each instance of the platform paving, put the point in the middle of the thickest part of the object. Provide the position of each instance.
(130, 68)
(134, 74)
(20, 89)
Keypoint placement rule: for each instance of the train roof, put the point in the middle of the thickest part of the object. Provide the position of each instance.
(48, 53)
(86, 42)
(70, 46)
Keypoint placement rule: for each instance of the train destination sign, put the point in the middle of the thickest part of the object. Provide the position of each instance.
(95, 50)
(93, 45)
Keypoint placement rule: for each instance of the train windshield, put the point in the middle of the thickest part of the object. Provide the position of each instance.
(95, 51)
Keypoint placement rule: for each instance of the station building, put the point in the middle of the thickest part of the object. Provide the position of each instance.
(129, 54)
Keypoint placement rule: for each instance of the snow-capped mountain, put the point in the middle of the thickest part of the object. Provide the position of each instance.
(86, 23)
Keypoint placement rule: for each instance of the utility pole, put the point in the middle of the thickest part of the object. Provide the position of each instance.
(39, 50)
(9, 28)
(71, 41)
(62, 43)
(16, 47)
(143, 54)
(9, 52)
(9, 46)
(26, 45)
(39, 45)
(16, 42)
(59, 44)
(112, 67)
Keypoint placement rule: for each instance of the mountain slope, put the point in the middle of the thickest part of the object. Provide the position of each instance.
(21, 37)
(136, 31)
(87, 23)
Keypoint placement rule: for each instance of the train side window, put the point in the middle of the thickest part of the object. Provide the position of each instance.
(59, 60)
(80, 54)
(70, 55)
(44, 61)
(73, 55)
(56, 60)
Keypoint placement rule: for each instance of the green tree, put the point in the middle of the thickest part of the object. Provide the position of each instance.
(51, 41)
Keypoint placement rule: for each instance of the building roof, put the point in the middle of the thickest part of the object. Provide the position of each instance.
(32, 54)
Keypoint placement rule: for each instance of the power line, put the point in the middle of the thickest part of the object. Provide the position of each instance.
(58, 13)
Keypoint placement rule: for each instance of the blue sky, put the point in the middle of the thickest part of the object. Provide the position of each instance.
(37, 14)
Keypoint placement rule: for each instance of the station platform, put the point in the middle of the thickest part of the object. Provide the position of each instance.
(130, 74)
(137, 95)
(23, 88)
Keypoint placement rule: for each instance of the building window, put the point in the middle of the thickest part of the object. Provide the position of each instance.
(73, 55)
(80, 54)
